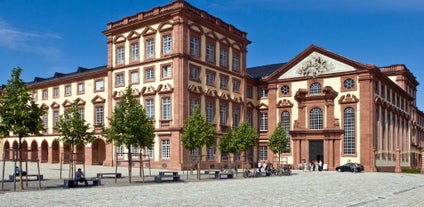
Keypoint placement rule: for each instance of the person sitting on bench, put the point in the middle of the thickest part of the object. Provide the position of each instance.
(79, 177)
(18, 171)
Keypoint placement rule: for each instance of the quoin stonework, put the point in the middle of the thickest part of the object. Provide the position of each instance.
(177, 56)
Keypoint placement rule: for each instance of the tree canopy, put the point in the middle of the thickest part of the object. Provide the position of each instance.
(278, 140)
(226, 143)
(73, 129)
(19, 114)
(130, 126)
(244, 137)
(197, 132)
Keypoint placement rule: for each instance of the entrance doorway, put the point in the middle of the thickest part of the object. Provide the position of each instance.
(316, 150)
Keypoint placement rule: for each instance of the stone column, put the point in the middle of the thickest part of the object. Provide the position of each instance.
(397, 168)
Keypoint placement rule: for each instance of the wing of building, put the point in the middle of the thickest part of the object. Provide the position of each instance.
(176, 56)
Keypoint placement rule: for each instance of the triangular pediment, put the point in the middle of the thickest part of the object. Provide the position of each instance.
(316, 64)
(148, 31)
(148, 90)
(54, 105)
(118, 94)
(165, 88)
(98, 99)
(195, 89)
(316, 61)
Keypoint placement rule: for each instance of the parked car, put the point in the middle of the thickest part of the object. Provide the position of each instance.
(350, 167)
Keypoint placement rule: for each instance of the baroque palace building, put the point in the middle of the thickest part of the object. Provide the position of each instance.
(177, 56)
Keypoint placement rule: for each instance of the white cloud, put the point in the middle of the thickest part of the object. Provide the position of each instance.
(33, 42)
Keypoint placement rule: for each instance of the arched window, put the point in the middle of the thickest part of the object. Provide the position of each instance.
(285, 123)
(315, 88)
(349, 131)
(315, 118)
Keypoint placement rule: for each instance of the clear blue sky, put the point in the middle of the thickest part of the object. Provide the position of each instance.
(47, 36)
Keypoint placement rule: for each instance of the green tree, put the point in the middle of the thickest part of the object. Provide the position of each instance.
(129, 126)
(74, 132)
(197, 133)
(19, 114)
(244, 137)
(238, 140)
(278, 141)
(226, 144)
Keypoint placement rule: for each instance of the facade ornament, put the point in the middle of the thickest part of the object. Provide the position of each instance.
(314, 66)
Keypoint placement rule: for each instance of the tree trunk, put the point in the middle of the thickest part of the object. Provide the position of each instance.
(198, 163)
(71, 163)
(21, 183)
(279, 159)
(129, 163)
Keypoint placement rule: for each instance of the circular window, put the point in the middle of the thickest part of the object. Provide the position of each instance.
(349, 83)
(285, 89)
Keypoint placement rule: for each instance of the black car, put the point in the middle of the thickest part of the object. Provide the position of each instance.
(350, 167)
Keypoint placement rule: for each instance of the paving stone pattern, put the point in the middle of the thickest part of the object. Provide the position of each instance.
(300, 189)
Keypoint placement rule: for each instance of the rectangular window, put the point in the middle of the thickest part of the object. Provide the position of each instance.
(134, 77)
(223, 115)
(223, 83)
(150, 108)
(99, 115)
(194, 73)
(80, 88)
(120, 151)
(45, 120)
(67, 90)
(120, 79)
(193, 103)
(210, 78)
(166, 108)
(236, 117)
(166, 71)
(81, 113)
(100, 85)
(263, 153)
(263, 93)
(55, 92)
(150, 48)
(194, 47)
(211, 153)
(120, 55)
(166, 149)
(167, 44)
(263, 122)
(223, 58)
(55, 118)
(249, 91)
(210, 111)
(45, 94)
(35, 96)
(148, 152)
(236, 62)
(236, 85)
(134, 151)
(210, 52)
(150, 75)
(134, 52)
(249, 117)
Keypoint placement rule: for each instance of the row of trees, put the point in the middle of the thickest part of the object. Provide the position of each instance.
(129, 125)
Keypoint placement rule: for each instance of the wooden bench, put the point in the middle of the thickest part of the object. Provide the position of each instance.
(72, 183)
(113, 175)
(167, 174)
(36, 176)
